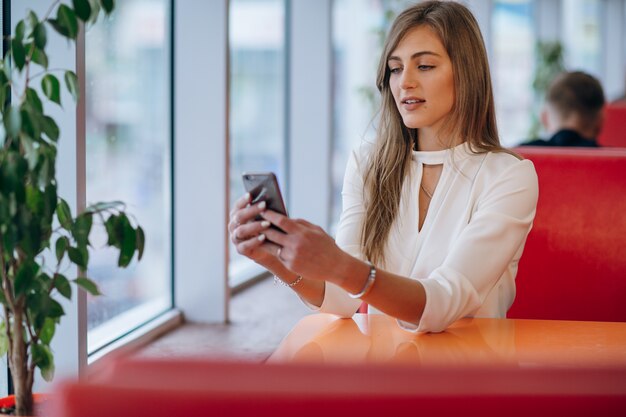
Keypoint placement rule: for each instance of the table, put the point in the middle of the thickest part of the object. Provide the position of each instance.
(377, 338)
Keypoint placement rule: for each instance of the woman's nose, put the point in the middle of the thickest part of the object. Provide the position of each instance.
(408, 80)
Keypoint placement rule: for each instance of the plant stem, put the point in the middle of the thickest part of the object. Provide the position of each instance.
(6, 286)
(18, 361)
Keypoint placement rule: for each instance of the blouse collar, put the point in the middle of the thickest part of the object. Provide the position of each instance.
(457, 153)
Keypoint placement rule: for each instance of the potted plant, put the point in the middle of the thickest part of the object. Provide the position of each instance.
(41, 241)
(548, 64)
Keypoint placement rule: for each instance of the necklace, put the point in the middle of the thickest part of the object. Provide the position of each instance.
(429, 195)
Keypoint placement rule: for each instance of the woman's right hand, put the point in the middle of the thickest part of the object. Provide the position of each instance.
(246, 233)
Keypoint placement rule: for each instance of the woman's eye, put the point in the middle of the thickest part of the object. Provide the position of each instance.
(425, 67)
(394, 70)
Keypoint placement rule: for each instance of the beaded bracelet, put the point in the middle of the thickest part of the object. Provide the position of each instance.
(283, 283)
(368, 284)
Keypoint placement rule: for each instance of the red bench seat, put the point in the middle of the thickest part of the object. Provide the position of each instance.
(574, 262)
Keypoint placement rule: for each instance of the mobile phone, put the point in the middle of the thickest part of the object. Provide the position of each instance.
(263, 186)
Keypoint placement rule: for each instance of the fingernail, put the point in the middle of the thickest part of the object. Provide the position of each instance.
(247, 196)
(261, 237)
(265, 223)
(262, 205)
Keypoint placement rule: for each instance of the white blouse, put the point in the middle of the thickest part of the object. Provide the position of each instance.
(472, 238)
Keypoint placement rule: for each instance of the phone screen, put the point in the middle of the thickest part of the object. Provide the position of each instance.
(263, 186)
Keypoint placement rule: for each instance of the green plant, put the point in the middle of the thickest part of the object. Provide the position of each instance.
(548, 63)
(40, 240)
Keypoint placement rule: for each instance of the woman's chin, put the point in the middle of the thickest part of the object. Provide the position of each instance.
(412, 124)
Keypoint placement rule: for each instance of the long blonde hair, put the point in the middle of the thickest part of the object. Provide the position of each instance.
(472, 116)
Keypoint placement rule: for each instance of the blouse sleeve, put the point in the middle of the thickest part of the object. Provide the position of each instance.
(336, 299)
(483, 250)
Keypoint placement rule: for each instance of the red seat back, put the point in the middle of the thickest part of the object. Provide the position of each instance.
(574, 262)
(196, 388)
(613, 132)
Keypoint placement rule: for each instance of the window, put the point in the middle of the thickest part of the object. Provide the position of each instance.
(359, 29)
(512, 67)
(581, 36)
(257, 102)
(128, 158)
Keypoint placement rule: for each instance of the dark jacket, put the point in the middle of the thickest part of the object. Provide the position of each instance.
(564, 138)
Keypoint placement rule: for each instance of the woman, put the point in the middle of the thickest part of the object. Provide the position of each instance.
(435, 213)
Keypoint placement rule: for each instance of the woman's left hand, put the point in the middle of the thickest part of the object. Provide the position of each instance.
(305, 248)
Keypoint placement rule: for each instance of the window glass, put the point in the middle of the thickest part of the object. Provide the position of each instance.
(581, 35)
(257, 101)
(128, 158)
(359, 30)
(512, 68)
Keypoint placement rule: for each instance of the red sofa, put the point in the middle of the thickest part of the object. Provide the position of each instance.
(197, 388)
(574, 263)
(613, 132)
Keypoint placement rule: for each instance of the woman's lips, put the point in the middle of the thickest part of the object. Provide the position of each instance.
(412, 103)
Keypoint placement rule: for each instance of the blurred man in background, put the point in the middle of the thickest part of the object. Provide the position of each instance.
(573, 114)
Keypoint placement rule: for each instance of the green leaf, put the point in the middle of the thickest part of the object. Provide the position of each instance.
(46, 166)
(65, 23)
(76, 256)
(31, 22)
(31, 154)
(95, 11)
(111, 228)
(39, 57)
(50, 128)
(51, 88)
(64, 214)
(44, 281)
(24, 278)
(48, 373)
(43, 359)
(81, 228)
(20, 30)
(107, 5)
(33, 99)
(54, 309)
(19, 53)
(13, 121)
(47, 331)
(40, 36)
(61, 247)
(82, 9)
(103, 206)
(50, 201)
(34, 197)
(62, 285)
(88, 285)
(129, 240)
(71, 81)
(30, 124)
(141, 241)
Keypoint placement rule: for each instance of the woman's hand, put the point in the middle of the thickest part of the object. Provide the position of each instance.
(306, 249)
(247, 234)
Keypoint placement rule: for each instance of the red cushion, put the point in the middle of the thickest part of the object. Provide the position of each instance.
(195, 388)
(574, 262)
(613, 132)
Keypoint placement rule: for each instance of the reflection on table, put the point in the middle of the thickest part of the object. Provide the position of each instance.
(376, 338)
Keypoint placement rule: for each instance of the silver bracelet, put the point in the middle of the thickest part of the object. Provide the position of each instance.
(368, 284)
(283, 283)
